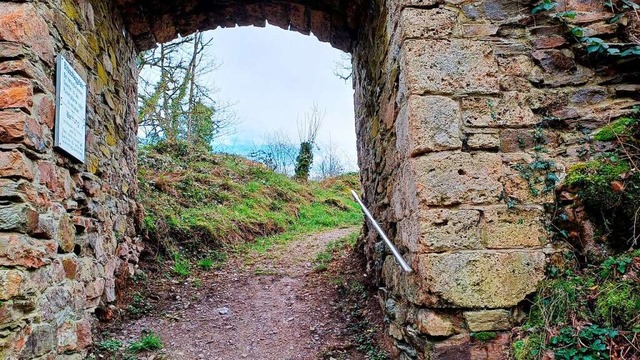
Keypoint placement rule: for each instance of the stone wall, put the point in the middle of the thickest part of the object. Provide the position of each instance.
(467, 114)
(488, 106)
(66, 229)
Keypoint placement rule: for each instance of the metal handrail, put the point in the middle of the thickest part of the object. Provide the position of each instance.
(395, 251)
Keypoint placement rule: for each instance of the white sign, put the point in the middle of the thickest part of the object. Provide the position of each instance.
(71, 110)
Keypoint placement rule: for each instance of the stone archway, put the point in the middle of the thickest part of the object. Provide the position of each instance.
(450, 101)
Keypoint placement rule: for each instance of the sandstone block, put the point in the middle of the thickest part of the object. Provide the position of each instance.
(320, 25)
(446, 230)
(504, 228)
(67, 337)
(449, 66)
(451, 178)
(11, 282)
(41, 341)
(483, 141)
(56, 304)
(299, 19)
(497, 349)
(427, 23)
(488, 320)
(18, 217)
(22, 23)
(21, 250)
(15, 164)
(432, 324)
(66, 236)
(15, 93)
(509, 110)
(429, 123)
(18, 127)
(454, 348)
(476, 279)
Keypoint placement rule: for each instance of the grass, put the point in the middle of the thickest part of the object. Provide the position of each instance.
(110, 345)
(181, 266)
(196, 203)
(324, 258)
(604, 297)
(147, 342)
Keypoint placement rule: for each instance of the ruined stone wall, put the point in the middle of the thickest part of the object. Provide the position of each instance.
(467, 114)
(66, 229)
(488, 106)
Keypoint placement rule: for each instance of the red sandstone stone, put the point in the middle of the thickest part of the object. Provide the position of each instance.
(321, 25)
(299, 18)
(45, 111)
(21, 23)
(15, 164)
(70, 265)
(15, 93)
(83, 333)
(12, 124)
(549, 42)
(21, 250)
(277, 15)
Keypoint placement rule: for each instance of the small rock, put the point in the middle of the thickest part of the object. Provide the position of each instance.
(223, 310)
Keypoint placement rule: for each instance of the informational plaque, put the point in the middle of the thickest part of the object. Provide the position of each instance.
(71, 110)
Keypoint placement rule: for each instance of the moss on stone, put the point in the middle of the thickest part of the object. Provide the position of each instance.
(485, 336)
(618, 302)
(611, 131)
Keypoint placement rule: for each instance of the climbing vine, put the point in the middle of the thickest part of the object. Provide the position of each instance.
(592, 44)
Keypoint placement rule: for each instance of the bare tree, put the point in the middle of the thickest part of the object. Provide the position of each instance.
(277, 152)
(175, 103)
(343, 68)
(332, 162)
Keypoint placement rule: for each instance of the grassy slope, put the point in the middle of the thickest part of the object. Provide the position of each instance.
(201, 202)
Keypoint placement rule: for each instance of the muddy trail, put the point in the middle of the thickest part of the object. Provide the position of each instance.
(278, 304)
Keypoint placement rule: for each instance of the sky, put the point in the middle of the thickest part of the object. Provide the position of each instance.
(274, 76)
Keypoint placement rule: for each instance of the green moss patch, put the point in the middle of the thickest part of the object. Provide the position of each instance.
(612, 131)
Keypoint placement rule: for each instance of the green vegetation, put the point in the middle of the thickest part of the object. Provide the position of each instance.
(589, 305)
(139, 305)
(484, 336)
(181, 266)
(620, 127)
(606, 296)
(110, 345)
(147, 342)
(197, 203)
(324, 258)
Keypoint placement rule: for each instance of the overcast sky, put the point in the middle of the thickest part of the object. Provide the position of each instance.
(274, 76)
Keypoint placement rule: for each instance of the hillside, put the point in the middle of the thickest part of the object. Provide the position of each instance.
(200, 202)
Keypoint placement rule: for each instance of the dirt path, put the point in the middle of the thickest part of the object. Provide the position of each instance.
(258, 306)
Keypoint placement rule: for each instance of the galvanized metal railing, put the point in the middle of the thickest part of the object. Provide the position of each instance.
(392, 247)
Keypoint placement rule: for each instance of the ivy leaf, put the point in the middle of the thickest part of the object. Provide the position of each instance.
(567, 14)
(577, 31)
(632, 51)
(546, 5)
(615, 19)
(613, 51)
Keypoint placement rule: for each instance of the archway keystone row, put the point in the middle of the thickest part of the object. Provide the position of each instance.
(451, 98)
